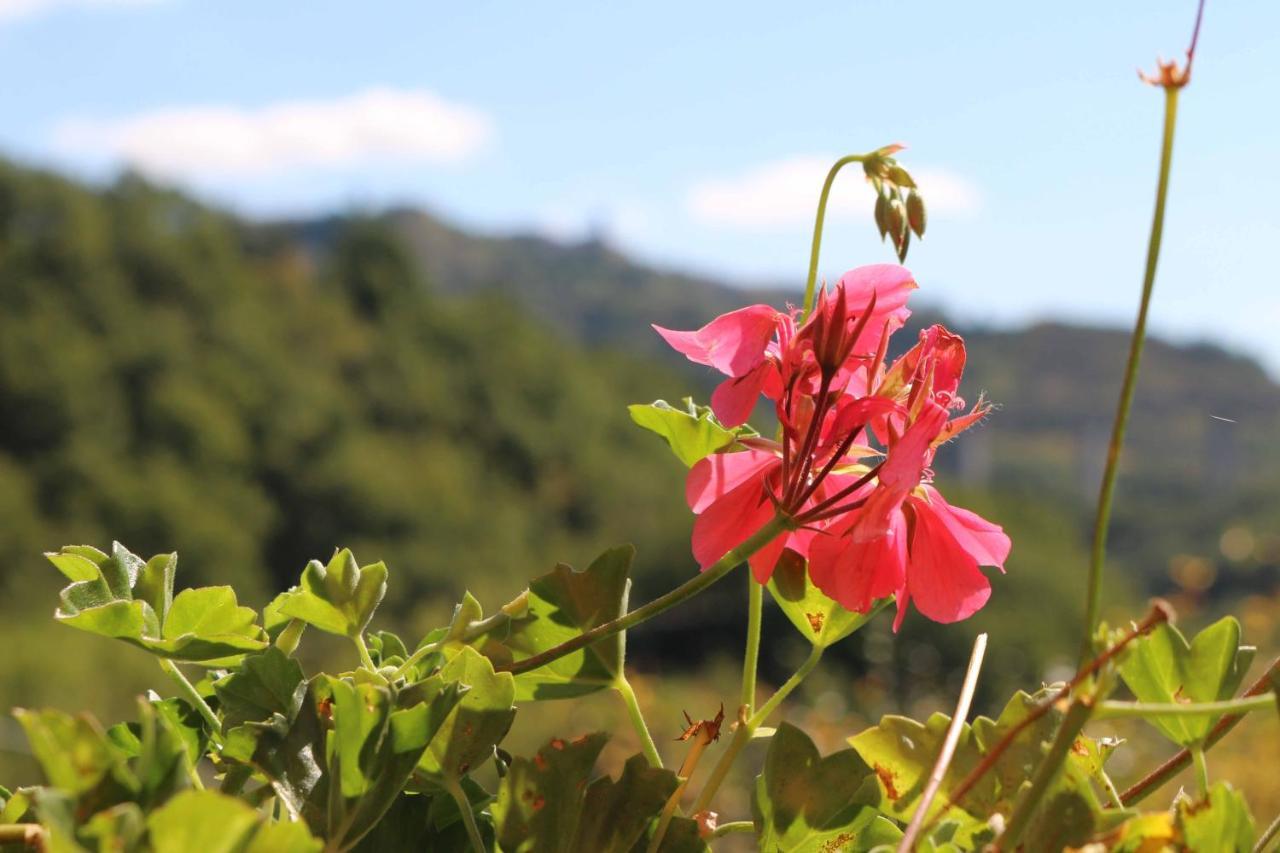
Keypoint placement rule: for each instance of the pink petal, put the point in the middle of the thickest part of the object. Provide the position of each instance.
(892, 285)
(732, 343)
(765, 560)
(855, 573)
(943, 579)
(984, 541)
(716, 475)
(734, 399)
(730, 521)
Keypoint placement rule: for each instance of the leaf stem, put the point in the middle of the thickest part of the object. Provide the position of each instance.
(751, 659)
(1118, 710)
(1202, 769)
(628, 694)
(948, 745)
(731, 827)
(366, 660)
(1107, 490)
(1271, 833)
(188, 692)
(476, 629)
(468, 816)
(687, 768)
(686, 590)
(1138, 791)
(747, 727)
(1074, 721)
(816, 248)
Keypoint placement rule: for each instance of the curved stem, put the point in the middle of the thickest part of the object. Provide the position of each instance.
(686, 590)
(732, 827)
(816, 248)
(948, 745)
(468, 816)
(1271, 833)
(628, 694)
(188, 692)
(746, 728)
(1115, 710)
(475, 629)
(750, 661)
(1107, 491)
(366, 660)
(1202, 770)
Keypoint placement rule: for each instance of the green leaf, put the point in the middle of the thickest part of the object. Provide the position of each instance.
(1162, 667)
(561, 605)
(339, 598)
(1221, 823)
(902, 751)
(480, 720)
(215, 823)
(540, 800)
(121, 597)
(818, 618)
(414, 822)
(615, 814)
(803, 801)
(693, 432)
(73, 752)
(265, 684)
(119, 828)
(1147, 832)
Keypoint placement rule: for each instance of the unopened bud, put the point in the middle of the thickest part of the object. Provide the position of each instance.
(882, 215)
(915, 213)
(899, 176)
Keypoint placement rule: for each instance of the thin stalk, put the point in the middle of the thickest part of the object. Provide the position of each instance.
(948, 745)
(1202, 770)
(188, 692)
(732, 827)
(686, 590)
(816, 248)
(1107, 491)
(1271, 833)
(747, 727)
(1138, 791)
(628, 694)
(366, 660)
(476, 629)
(468, 816)
(751, 659)
(1117, 710)
(1048, 770)
(690, 764)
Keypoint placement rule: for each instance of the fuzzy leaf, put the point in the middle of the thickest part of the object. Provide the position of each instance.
(339, 598)
(478, 722)
(1222, 822)
(692, 432)
(819, 619)
(540, 801)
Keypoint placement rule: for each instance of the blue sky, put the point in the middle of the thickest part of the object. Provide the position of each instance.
(695, 135)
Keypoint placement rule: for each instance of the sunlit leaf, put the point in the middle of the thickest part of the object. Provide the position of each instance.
(819, 619)
(1221, 823)
(339, 597)
(692, 432)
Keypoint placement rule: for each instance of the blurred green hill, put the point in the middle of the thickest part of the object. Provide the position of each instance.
(254, 394)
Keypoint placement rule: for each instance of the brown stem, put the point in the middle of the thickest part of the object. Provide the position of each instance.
(1138, 791)
(1160, 613)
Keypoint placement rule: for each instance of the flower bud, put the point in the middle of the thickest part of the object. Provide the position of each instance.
(915, 213)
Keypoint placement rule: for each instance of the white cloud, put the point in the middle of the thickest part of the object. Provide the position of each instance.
(13, 9)
(784, 194)
(205, 141)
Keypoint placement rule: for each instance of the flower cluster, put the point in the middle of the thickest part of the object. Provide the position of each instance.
(849, 470)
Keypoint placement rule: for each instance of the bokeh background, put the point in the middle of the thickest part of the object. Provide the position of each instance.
(276, 278)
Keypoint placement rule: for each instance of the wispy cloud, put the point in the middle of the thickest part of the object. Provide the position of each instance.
(14, 9)
(205, 141)
(784, 193)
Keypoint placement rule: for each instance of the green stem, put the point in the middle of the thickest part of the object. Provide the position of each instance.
(686, 590)
(816, 248)
(1117, 710)
(731, 827)
(751, 660)
(1112, 791)
(1075, 719)
(188, 692)
(747, 728)
(476, 629)
(468, 816)
(1107, 490)
(623, 686)
(366, 660)
(1202, 769)
(1271, 833)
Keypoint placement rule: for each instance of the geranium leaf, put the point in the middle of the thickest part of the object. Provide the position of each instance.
(479, 721)
(339, 597)
(818, 618)
(1220, 822)
(1163, 667)
(803, 801)
(540, 801)
(561, 605)
(215, 823)
(73, 752)
(265, 684)
(615, 813)
(692, 432)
